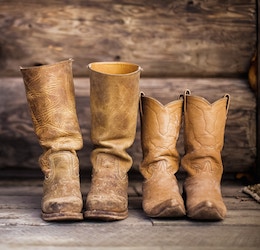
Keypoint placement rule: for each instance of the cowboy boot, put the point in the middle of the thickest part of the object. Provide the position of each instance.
(50, 95)
(114, 97)
(160, 126)
(204, 126)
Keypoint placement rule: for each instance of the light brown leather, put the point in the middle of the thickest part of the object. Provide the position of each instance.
(114, 97)
(50, 95)
(204, 126)
(160, 126)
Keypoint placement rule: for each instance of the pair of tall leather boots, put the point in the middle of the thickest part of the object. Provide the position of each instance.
(114, 100)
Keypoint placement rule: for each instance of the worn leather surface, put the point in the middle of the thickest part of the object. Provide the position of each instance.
(114, 97)
(160, 126)
(204, 127)
(51, 99)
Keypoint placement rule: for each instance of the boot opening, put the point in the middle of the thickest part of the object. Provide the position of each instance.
(114, 68)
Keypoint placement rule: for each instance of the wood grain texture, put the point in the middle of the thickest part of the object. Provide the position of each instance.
(19, 145)
(258, 97)
(167, 38)
(22, 228)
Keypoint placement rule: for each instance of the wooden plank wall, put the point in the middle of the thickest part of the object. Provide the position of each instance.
(258, 98)
(209, 43)
(167, 38)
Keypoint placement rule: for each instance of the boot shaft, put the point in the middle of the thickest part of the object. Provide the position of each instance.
(51, 99)
(204, 123)
(204, 127)
(114, 97)
(160, 127)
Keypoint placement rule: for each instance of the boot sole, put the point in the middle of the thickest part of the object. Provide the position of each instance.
(105, 215)
(62, 216)
(168, 213)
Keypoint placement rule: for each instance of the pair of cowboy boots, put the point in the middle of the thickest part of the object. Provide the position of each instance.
(114, 99)
(204, 125)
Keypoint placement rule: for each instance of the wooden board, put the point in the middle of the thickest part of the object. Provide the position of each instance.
(166, 38)
(22, 228)
(19, 145)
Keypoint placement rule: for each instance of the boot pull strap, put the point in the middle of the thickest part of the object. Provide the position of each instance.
(140, 103)
(184, 96)
(228, 101)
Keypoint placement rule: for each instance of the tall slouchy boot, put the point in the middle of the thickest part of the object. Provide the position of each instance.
(114, 98)
(204, 126)
(50, 95)
(160, 126)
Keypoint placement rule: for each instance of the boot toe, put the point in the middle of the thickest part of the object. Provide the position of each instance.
(62, 205)
(106, 208)
(207, 210)
(68, 208)
(169, 208)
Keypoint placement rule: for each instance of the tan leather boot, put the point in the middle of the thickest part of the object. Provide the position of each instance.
(114, 97)
(204, 126)
(160, 126)
(50, 95)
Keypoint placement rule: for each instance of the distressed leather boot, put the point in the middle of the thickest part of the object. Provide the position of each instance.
(50, 95)
(204, 126)
(160, 126)
(114, 98)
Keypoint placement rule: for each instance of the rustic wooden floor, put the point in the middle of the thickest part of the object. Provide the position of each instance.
(22, 228)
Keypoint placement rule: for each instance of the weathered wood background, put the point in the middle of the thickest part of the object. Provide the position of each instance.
(204, 45)
(167, 38)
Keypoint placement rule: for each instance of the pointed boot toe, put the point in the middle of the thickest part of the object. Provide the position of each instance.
(207, 210)
(169, 208)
